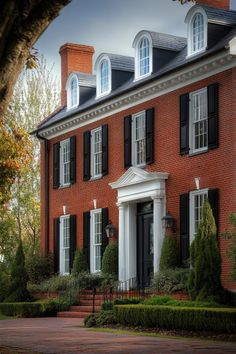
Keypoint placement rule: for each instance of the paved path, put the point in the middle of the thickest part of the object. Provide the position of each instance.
(62, 335)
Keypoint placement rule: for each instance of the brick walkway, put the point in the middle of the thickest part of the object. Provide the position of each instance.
(62, 335)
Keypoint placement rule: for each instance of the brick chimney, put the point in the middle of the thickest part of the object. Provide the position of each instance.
(74, 57)
(220, 4)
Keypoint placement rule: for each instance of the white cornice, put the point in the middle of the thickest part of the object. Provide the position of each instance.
(186, 76)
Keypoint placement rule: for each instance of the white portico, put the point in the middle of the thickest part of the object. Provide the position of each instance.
(136, 186)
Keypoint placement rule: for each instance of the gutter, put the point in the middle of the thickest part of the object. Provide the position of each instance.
(46, 176)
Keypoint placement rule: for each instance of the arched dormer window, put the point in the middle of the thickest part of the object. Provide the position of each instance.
(143, 55)
(197, 30)
(72, 88)
(103, 75)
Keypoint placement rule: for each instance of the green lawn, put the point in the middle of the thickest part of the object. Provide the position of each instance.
(3, 317)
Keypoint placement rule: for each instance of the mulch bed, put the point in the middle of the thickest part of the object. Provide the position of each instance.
(178, 333)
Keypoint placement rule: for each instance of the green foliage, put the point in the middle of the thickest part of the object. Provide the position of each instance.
(100, 319)
(204, 279)
(169, 253)
(181, 318)
(171, 280)
(110, 260)
(80, 264)
(18, 286)
(53, 284)
(39, 267)
(30, 309)
(4, 282)
(108, 305)
(231, 251)
(167, 300)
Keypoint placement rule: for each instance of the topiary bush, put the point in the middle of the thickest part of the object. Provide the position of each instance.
(169, 253)
(80, 264)
(39, 267)
(18, 282)
(171, 280)
(110, 260)
(204, 280)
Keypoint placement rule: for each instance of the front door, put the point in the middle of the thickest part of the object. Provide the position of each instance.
(145, 243)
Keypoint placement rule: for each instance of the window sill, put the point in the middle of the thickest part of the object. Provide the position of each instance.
(142, 77)
(64, 186)
(191, 55)
(198, 152)
(95, 178)
(140, 166)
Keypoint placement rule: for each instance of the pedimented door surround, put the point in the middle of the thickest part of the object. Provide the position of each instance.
(136, 186)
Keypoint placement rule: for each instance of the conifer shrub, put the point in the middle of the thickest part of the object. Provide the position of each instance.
(39, 268)
(169, 253)
(80, 264)
(171, 280)
(4, 282)
(110, 260)
(18, 280)
(204, 280)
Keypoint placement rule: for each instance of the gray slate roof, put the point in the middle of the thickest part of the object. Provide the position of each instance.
(219, 15)
(119, 62)
(165, 41)
(86, 79)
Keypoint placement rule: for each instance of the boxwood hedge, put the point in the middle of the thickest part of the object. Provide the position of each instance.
(195, 319)
(30, 309)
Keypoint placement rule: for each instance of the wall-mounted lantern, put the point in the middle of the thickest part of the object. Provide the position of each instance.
(110, 229)
(168, 222)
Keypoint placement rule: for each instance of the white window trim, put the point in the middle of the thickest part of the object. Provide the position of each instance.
(62, 258)
(192, 150)
(137, 56)
(189, 20)
(98, 76)
(191, 210)
(92, 236)
(92, 167)
(68, 91)
(62, 184)
(133, 133)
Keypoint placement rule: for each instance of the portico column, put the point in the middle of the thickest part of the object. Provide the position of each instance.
(157, 232)
(121, 242)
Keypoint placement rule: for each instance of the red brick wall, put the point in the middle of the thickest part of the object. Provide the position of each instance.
(223, 4)
(74, 57)
(215, 168)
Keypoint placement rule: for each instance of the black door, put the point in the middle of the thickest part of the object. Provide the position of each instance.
(145, 243)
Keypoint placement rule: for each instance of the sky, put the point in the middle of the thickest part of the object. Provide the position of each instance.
(110, 25)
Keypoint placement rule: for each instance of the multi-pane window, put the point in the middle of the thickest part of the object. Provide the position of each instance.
(197, 199)
(139, 139)
(198, 33)
(96, 150)
(96, 239)
(199, 120)
(74, 92)
(104, 76)
(65, 245)
(65, 162)
(144, 57)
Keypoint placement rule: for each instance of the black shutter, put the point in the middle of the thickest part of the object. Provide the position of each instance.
(86, 236)
(127, 141)
(213, 197)
(104, 149)
(149, 135)
(184, 227)
(72, 239)
(213, 131)
(184, 124)
(72, 159)
(87, 174)
(56, 235)
(56, 165)
(104, 224)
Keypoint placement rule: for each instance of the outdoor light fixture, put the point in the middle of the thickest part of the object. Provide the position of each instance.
(168, 221)
(95, 203)
(64, 209)
(197, 182)
(110, 229)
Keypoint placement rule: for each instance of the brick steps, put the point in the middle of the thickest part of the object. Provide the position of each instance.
(72, 314)
(85, 308)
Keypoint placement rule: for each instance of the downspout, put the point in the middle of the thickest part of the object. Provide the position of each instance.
(46, 176)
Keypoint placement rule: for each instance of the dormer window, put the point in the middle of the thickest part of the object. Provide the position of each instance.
(143, 55)
(72, 88)
(197, 31)
(103, 70)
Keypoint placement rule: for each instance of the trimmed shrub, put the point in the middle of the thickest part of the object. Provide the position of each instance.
(108, 305)
(39, 267)
(167, 300)
(171, 280)
(183, 318)
(80, 264)
(204, 279)
(91, 320)
(169, 253)
(53, 284)
(30, 309)
(100, 319)
(110, 260)
(18, 284)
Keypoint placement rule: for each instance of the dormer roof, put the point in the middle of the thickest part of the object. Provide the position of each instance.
(118, 62)
(86, 80)
(215, 15)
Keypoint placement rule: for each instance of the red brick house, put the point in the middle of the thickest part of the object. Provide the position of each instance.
(146, 135)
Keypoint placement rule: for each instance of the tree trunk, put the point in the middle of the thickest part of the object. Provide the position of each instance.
(21, 24)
